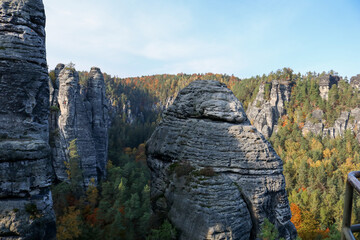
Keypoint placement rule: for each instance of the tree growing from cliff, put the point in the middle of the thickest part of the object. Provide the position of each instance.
(73, 168)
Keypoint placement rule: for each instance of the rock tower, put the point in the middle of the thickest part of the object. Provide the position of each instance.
(213, 175)
(25, 167)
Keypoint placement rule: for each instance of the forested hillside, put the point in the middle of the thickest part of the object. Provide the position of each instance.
(315, 166)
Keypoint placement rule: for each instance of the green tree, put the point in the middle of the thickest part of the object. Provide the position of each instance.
(73, 169)
(268, 231)
(165, 232)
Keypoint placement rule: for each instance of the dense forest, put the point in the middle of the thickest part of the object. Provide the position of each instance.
(315, 167)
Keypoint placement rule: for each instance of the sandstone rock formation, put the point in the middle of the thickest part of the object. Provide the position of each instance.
(265, 111)
(79, 113)
(25, 168)
(325, 84)
(355, 81)
(212, 173)
(348, 120)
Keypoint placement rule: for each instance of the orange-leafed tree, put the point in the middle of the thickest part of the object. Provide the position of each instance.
(296, 215)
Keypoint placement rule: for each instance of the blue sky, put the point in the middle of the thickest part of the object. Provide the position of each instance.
(244, 38)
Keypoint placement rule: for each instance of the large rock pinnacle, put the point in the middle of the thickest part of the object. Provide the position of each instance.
(266, 110)
(81, 114)
(213, 175)
(25, 167)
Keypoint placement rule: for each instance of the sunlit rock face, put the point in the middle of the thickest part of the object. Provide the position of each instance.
(212, 173)
(347, 121)
(355, 81)
(25, 168)
(79, 113)
(325, 84)
(265, 111)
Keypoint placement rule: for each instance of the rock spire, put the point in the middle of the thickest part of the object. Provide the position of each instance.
(25, 167)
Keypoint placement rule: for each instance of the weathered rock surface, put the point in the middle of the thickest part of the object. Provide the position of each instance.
(348, 120)
(265, 111)
(25, 167)
(325, 84)
(207, 128)
(79, 113)
(355, 81)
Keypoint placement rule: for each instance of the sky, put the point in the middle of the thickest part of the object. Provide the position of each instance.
(241, 37)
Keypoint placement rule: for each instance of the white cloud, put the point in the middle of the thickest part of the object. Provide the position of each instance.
(145, 37)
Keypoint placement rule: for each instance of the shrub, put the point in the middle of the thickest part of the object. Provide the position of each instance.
(70, 66)
(258, 104)
(207, 171)
(32, 210)
(52, 78)
(183, 169)
(267, 90)
(54, 109)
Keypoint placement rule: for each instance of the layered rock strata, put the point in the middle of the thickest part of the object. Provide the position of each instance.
(212, 173)
(269, 106)
(79, 113)
(25, 167)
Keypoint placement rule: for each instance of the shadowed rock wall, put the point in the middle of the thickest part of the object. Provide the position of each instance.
(25, 167)
(81, 113)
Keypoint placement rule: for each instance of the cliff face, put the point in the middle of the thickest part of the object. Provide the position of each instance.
(97, 108)
(265, 111)
(348, 120)
(79, 113)
(325, 84)
(212, 173)
(355, 81)
(269, 106)
(25, 167)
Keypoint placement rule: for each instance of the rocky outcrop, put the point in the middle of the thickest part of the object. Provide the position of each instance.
(325, 84)
(348, 120)
(314, 123)
(25, 168)
(212, 173)
(269, 106)
(355, 81)
(80, 114)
